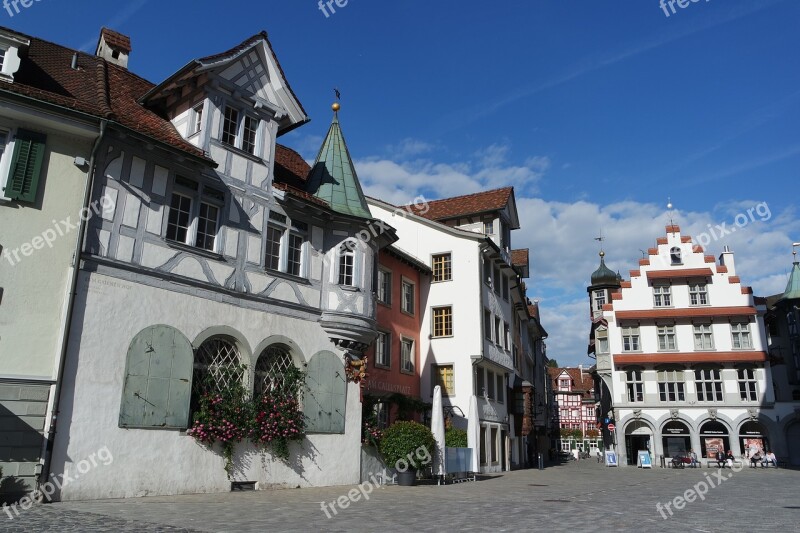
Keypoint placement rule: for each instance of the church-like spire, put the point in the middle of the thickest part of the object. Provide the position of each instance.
(333, 177)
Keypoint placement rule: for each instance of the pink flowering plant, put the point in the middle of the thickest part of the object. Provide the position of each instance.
(228, 415)
(278, 418)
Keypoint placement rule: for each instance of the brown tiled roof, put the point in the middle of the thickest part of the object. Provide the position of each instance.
(581, 382)
(116, 40)
(519, 257)
(96, 87)
(290, 167)
(299, 193)
(470, 204)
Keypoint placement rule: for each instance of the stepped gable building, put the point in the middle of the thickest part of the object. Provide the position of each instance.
(685, 363)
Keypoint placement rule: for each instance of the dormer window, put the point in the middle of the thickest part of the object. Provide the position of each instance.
(10, 45)
(675, 256)
(240, 133)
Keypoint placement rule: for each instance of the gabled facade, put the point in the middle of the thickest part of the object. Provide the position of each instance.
(573, 390)
(466, 345)
(214, 254)
(686, 365)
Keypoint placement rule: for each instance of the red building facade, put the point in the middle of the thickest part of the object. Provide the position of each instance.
(392, 389)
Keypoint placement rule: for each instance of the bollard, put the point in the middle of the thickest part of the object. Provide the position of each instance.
(541, 462)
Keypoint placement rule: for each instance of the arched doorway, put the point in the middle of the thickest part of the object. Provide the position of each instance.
(676, 438)
(638, 436)
(753, 439)
(714, 438)
(793, 443)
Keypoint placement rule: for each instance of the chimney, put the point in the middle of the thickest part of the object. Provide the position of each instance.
(114, 47)
(726, 259)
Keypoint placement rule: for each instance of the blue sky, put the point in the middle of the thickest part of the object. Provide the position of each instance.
(596, 112)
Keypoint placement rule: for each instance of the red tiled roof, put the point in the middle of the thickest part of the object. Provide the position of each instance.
(520, 257)
(582, 382)
(290, 167)
(116, 40)
(470, 204)
(96, 87)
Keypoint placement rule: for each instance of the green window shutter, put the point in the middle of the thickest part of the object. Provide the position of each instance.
(325, 397)
(158, 380)
(26, 166)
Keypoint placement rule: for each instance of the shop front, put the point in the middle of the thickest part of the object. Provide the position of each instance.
(675, 438)
(753, 439)
(714, 438)
(638, 437)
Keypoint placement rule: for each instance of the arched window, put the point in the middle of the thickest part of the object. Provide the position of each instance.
(270, 367)
(675, 255)
(217, 364)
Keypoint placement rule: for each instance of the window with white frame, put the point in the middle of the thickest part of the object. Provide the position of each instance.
(217, 366)
(194, 214)
(635, 385)
(407, 355)
(240, 130)
(630, 339)
(666, 338)
(703, 337)
(285, 248)
(741, 336)
(506, 336)
(708, 382)
(748, 388)
(599, 300)
(197, 118)
(408, 297)
(383, 349)
(698, 294)
(347, 264)
(384, 293)
(563, 384)
(601, 340)
(671, 386)
(662, 295)
(2, 58)
(488, 228)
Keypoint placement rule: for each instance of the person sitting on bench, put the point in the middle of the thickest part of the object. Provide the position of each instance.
(770, 458)
(693, 457)
(755, 458)
(720, 459)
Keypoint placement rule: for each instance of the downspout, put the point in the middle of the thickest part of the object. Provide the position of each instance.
(70, 306)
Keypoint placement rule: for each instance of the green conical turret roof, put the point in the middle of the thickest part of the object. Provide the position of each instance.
(333, 177)
(792, 291)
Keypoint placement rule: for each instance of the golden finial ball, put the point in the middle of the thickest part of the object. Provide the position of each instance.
(602, 254)
(336, 106)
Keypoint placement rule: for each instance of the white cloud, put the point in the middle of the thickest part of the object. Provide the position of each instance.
(560, 235)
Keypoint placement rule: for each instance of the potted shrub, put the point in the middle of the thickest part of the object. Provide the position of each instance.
(407, 446)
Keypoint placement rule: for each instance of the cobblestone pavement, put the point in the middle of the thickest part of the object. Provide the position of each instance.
(582, 496)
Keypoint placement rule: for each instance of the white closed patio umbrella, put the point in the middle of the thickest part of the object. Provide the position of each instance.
(437, 428)
(474, 432)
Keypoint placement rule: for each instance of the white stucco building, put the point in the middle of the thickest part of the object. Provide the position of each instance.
(224, 255)
(681, 356)
(467, 345)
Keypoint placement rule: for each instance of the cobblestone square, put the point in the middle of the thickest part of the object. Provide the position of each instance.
(577, 496)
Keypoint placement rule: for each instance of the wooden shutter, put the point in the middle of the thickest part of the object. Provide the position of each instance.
(158, 380)
(26, 166)
(326, 394)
